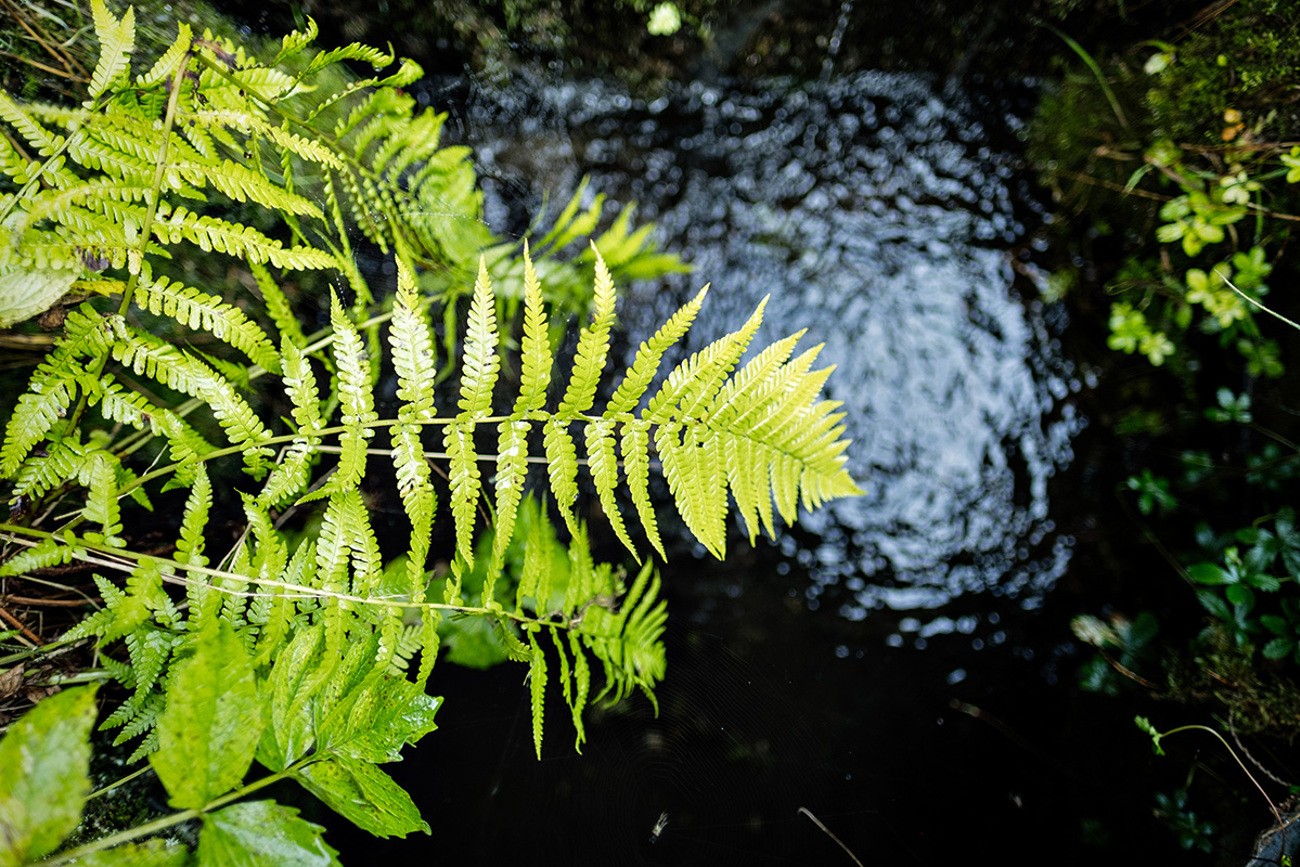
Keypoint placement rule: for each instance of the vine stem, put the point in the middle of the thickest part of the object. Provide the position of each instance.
(1235, 758)
(166, 822)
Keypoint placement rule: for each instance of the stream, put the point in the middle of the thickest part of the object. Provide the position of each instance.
(898, 666)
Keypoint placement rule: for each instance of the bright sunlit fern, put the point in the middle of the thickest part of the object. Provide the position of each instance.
(154, 380)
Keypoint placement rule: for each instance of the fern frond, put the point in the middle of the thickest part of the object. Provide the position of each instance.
(536, 359)
(356, 399)
(480, 362)
(149, 356)
(309, 149)
(693, 383)
(355, 51)
(581, 688)
(692, 464)
(243, 184)
(291, 475)
(629, 643)
(45, 554)
(52, 387)
(593, 347)
(562, 467)
(294, 43)
(199, 310)
(537, 687)
(210, 233)
(603, 464)
(413, 359)
(170, 60)
(277, 306)
(333, 556)
(636, 467)
(465, 484)
(646, 364)
(116, 43)
(512, 467)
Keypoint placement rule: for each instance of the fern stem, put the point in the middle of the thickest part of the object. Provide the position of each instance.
(125, 560)
(155, 193)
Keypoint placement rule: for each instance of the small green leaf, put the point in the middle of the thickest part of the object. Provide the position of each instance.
(209, 731)
(44, 765)
(262, 834)
(364, 795)
(1208, 573)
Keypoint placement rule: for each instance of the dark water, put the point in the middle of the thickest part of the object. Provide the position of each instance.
(880, 214)
(896, 665)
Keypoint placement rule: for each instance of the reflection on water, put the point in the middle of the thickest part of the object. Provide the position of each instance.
(874, 212)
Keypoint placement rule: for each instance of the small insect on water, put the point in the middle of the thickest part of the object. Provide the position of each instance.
(660, 824)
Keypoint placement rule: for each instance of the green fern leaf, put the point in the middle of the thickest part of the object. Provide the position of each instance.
(357, 403)
(199, 310)
(52, 388)
(537, 687)
(581, 687)
(210, 234)
(45, 554)
(413, 359)
(294, 43)
(697, 480)
(603, 464)
(480, 362)
(646, 364)
(562, 467)
(593, 346)
(636, 466)
(116, 43)
(277, 306)
(333, 556)
(169, 62)
(536, 359)
(150, 356)
(99, 475)
(694, 382)
(242, 184)
(356, 51)
(465, 484)
(512, 467)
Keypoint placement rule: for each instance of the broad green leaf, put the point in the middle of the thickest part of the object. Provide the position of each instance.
(364, 795)
(377, 718)
(294, 681)
(210, 728)
(44, 767)
(262, 834)
(26, 292)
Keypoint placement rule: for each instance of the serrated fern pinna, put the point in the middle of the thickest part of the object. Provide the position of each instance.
(104, 200)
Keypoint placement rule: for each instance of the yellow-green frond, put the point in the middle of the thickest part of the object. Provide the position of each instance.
(116, 42)
(480, 363)
(593, 347)
(536, 359)
(648, 356)
(603, 464)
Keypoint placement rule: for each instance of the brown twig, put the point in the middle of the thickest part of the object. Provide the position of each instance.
(50, 603)
(18, 624)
